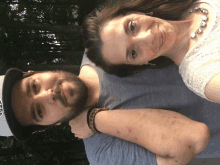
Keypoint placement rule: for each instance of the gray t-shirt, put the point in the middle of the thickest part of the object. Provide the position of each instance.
(151, 88)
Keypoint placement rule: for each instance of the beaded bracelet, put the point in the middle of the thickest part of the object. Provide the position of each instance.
(91, 116)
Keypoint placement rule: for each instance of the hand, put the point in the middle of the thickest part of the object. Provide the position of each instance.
(80, 127)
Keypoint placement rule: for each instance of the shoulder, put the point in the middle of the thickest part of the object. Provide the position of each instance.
(87, 70)
(87, 67)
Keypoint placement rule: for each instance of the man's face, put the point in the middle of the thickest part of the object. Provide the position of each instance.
(48, 97)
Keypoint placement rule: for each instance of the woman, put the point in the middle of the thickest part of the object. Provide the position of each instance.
(128, 37)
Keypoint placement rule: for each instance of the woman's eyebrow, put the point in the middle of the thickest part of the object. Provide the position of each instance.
(125, 26)
(125, 23)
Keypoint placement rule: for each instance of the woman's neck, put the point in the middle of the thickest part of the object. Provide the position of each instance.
(184, 29)
(181, 46)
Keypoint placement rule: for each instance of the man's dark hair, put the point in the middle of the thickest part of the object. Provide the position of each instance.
(164, 9)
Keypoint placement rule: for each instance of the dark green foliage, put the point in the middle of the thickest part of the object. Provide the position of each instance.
(42, 35)
(53, 146)
(45, 32)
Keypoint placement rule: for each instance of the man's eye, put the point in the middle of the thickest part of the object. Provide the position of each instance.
(34, 86)
(133, 53)
(132, 26)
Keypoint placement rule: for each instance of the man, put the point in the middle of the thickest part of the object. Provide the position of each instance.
(50, 98)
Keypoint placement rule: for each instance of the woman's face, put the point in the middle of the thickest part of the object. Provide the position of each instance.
(136, 39)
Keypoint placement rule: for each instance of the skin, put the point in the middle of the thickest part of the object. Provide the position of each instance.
(148, 38)
(174, 138)
(44, 100)
(197, 136)
(137, 38)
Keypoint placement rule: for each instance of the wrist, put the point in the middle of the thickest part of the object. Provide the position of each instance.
(91, 115)
(99, 119)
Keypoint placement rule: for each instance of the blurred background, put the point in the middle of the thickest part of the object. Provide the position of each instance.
(43, 35)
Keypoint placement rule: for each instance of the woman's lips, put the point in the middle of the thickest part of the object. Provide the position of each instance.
(163, 38)
(160, 38)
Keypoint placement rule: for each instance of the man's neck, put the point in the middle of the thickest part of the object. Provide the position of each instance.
(90, 77)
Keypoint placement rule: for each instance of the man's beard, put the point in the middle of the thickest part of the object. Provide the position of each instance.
(82, 95)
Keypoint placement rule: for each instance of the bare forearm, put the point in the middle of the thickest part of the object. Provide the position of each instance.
(164, 133)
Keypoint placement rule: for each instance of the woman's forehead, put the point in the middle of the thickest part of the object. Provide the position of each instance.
(114, 42)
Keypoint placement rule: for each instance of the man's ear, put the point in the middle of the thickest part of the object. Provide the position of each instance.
(30, 71)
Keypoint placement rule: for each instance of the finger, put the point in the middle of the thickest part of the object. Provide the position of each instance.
(73, 131)
(74, 124)
(78, 136)
(71, 122)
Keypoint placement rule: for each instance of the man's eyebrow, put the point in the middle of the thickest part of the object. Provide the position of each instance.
(33, 114)
(28, 88)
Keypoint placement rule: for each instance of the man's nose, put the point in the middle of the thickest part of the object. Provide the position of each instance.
(48, 95)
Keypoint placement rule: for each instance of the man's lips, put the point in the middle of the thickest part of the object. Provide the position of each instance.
(60, 94)
(63, 95)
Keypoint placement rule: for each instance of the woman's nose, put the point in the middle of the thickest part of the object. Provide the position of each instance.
(144, 38)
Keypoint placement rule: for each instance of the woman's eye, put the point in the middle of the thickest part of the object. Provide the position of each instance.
(132, 26)
(34, 86)
(133, 53)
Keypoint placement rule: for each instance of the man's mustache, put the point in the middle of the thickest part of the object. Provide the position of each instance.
(57, 93)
